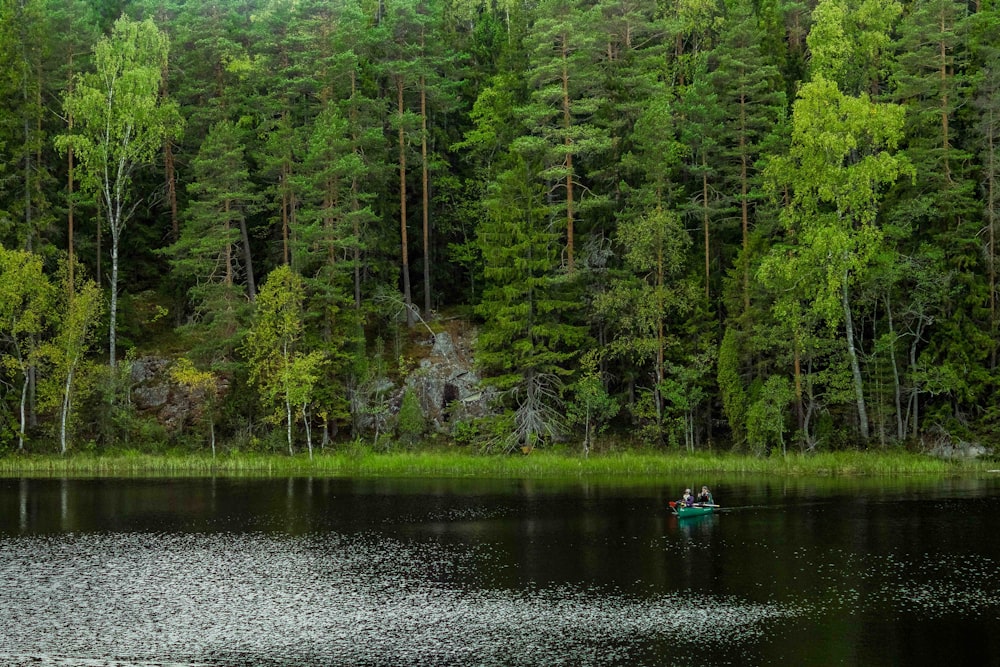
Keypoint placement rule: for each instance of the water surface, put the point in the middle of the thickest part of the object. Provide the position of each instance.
(497, 572)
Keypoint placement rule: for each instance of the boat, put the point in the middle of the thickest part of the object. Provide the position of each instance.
(683, 511)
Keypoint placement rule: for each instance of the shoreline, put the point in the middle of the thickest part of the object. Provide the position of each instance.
(466, 464)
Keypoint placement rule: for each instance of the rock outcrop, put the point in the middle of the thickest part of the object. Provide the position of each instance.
(444, 381)
(174, 406)
(447, 384)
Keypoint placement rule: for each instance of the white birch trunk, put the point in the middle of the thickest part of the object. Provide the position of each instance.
(64, 418)
(855, 367)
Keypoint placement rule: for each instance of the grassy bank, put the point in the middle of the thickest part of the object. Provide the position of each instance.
(460, 464)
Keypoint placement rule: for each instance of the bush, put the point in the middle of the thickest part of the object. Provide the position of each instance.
(411, 424)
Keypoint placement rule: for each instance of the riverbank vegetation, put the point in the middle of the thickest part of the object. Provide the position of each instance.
(361, 462)
(751, 226)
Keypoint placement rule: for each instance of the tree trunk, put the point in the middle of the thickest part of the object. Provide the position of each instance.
(69, 207)
(355, 207)
(288, 421)
(285, 205)
(991, 223)
(24, 408)
(855, 366)
(745, 214)
(943, 72)
(228, 280)
(248, 260)
(704, 215)
(567, 122)
(171, 178)
(798, 381)
(660, 342)
(897, 388)
(64, 417)
(404, 250)
(305, 422)
(426, 198)
(113, 310)
(355, 203)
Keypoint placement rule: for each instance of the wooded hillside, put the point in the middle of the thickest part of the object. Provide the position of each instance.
(735, 223)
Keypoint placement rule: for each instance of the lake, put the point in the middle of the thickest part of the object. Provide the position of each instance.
(313, 571)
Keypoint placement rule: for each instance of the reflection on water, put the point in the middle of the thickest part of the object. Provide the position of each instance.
(508, 572)
(256, 599)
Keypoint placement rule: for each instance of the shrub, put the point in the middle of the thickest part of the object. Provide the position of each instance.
(411, 424)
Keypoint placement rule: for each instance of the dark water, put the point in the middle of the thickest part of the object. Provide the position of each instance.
(483, 572)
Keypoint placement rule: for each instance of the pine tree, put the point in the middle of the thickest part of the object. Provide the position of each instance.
(565, 49)
(647, 300)
(213, 254)
(748, 91)
(940, 207)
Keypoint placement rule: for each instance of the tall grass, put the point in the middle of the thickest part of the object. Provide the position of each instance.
(363, 463)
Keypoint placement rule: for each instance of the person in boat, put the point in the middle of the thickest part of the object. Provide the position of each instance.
(687, 500)
(705, 497)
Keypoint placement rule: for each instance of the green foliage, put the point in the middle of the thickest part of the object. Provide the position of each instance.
(589, 174)
(279, 366)
(121, 123)
(529, 339)
(592, 407)
(211, 255)
(731, 387)
(27, 299)
(850, 42)
(767, 415)
(411, 424)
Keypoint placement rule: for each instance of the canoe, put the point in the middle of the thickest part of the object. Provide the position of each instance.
(684, 512)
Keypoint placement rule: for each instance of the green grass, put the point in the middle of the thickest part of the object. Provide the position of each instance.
(460, 464)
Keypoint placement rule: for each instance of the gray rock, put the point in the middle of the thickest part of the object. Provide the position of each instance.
(959, 450)
(448, 386)
(154, 394)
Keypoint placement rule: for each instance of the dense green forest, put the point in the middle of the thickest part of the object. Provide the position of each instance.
(692, 224)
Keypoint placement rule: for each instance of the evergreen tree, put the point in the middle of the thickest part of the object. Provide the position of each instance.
(76, 22)
(527, 344)
(643, 304)
(403, 25)
(986, 138)
(213, 253)
(748, 91)
(565, 50)
(940, 206)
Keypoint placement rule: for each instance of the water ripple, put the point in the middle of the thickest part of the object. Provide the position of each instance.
(171, 600)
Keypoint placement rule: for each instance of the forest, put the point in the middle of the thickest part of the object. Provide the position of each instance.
(742, 225)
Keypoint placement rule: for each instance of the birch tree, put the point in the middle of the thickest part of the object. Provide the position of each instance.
(121, 123)
(81, 309)
(843, 155)
(285, 374)
(26, 298)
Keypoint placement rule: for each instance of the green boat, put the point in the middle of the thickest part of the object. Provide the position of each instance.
(683, 512)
